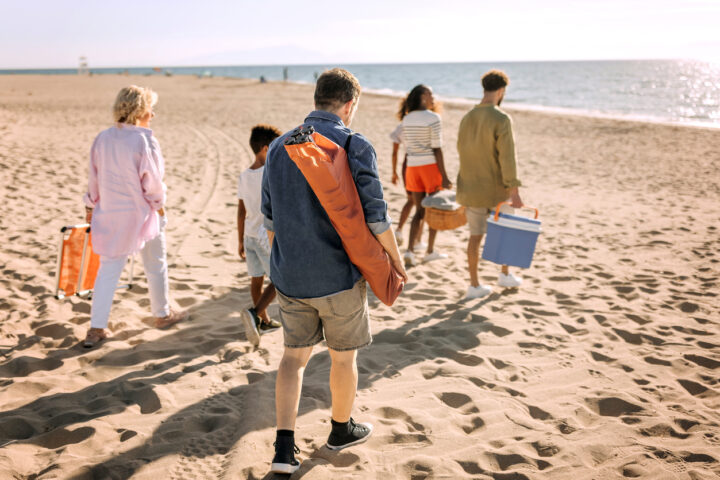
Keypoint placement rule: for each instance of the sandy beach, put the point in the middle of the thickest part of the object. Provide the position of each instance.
(603, 365)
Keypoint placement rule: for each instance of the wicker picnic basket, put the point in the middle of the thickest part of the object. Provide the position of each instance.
(445, 219)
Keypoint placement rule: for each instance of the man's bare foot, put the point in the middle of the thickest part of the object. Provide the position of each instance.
(171, 319)
(94, 336)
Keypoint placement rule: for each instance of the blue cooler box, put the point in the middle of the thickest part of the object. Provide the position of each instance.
(511, 240)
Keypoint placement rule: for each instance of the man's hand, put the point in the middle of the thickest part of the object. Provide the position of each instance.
(515, 200)
(387, 240)
(397, 263)
(241, 249)
(394, 178)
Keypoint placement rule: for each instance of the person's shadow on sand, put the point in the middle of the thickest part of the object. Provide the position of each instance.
(37, 421)
(211, 428)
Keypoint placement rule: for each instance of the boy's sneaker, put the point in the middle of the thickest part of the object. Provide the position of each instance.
(409, 258)
(349, 434)
(251, 321)
(509, 280)
(269, 325)
(284, 460)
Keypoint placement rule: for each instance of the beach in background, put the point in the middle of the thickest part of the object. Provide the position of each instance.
(671, 91)
(603, 365)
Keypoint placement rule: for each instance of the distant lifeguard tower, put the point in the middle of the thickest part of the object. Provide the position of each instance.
(83, 66)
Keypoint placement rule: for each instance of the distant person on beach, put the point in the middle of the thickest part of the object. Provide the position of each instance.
(425, 173)
(253, 245)
(124, 205)
(322, 295)
(488, 173)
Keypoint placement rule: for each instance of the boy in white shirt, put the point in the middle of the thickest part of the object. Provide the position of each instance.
(252, 237)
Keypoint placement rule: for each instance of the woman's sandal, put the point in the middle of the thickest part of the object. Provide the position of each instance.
(94, 336)
(171, 319)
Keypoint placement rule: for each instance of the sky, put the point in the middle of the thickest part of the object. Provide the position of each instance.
(129, 33)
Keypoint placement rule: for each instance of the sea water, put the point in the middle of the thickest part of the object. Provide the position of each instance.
(676, 91)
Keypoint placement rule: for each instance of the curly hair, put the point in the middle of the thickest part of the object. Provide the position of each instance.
(262, 135)
(494, 80)
(413, 101)
(132, 103)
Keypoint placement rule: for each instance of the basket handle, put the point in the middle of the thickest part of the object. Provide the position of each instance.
(497, 209)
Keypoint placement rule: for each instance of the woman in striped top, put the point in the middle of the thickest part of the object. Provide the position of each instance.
(422, 133)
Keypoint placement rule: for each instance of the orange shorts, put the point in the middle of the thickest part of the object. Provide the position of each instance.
(425, 179)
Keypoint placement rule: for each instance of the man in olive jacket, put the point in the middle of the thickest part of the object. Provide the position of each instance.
(488, 172)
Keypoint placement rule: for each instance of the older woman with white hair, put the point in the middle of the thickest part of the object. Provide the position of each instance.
(124, 206)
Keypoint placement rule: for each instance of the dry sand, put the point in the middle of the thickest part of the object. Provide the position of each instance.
(604, 365)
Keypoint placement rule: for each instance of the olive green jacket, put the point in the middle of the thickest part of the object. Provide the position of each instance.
(487, 157)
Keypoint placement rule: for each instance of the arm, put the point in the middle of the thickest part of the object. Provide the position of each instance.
(266, 205)
(362, 161)
(92, 195)
(387, 240)
(436, 144)
(508, 167)
(241, 213)
(440, 160)
(150, 171)
(396, 147)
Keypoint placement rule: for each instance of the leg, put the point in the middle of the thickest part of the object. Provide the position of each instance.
(268, 295)
(104, 290)
(405, 212)
(417, 219)
(505, 270)
(154, 257)
(256, 284)
(473, 256)
(343, 383)
(431, 240)
(289, 384)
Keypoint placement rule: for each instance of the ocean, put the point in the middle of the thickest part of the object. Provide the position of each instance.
(668, 91)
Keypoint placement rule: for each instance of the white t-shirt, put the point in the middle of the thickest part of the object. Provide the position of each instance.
(397, 135)
(422, 131)
(250, 192)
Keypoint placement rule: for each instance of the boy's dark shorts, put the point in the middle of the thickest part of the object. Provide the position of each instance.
(342, 319)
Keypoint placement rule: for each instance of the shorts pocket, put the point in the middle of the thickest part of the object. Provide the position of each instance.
(349, 302)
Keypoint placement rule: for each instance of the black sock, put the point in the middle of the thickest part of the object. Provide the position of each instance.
(340, 427)
(286, 433)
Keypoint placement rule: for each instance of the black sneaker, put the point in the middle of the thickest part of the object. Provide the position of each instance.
(269, 325)
(251, 322)
(355, 434)
(284, 460)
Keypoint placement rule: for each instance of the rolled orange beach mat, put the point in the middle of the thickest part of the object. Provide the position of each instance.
(325, 167)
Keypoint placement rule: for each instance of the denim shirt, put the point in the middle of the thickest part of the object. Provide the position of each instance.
(308, 259)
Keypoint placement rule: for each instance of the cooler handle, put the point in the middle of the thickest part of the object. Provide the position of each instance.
(497, 209)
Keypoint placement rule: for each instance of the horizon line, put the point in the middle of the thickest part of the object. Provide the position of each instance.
(75, 67)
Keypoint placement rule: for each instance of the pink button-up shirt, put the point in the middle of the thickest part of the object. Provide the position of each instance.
(125, 189)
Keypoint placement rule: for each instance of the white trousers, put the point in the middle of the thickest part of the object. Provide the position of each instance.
(154, 257)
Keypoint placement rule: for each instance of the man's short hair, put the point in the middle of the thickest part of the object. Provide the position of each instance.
(334, 88)
(494, 80)
(262, 135)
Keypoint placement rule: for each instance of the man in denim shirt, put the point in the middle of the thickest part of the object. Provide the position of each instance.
(322, 295)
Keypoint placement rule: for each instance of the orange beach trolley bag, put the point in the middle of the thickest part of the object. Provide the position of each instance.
(325, 167)
(78, 264)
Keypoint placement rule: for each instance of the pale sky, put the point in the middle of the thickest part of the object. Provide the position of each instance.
(54, 33)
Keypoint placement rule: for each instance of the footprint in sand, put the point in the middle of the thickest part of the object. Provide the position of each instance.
(406, 430)
(612, 406)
